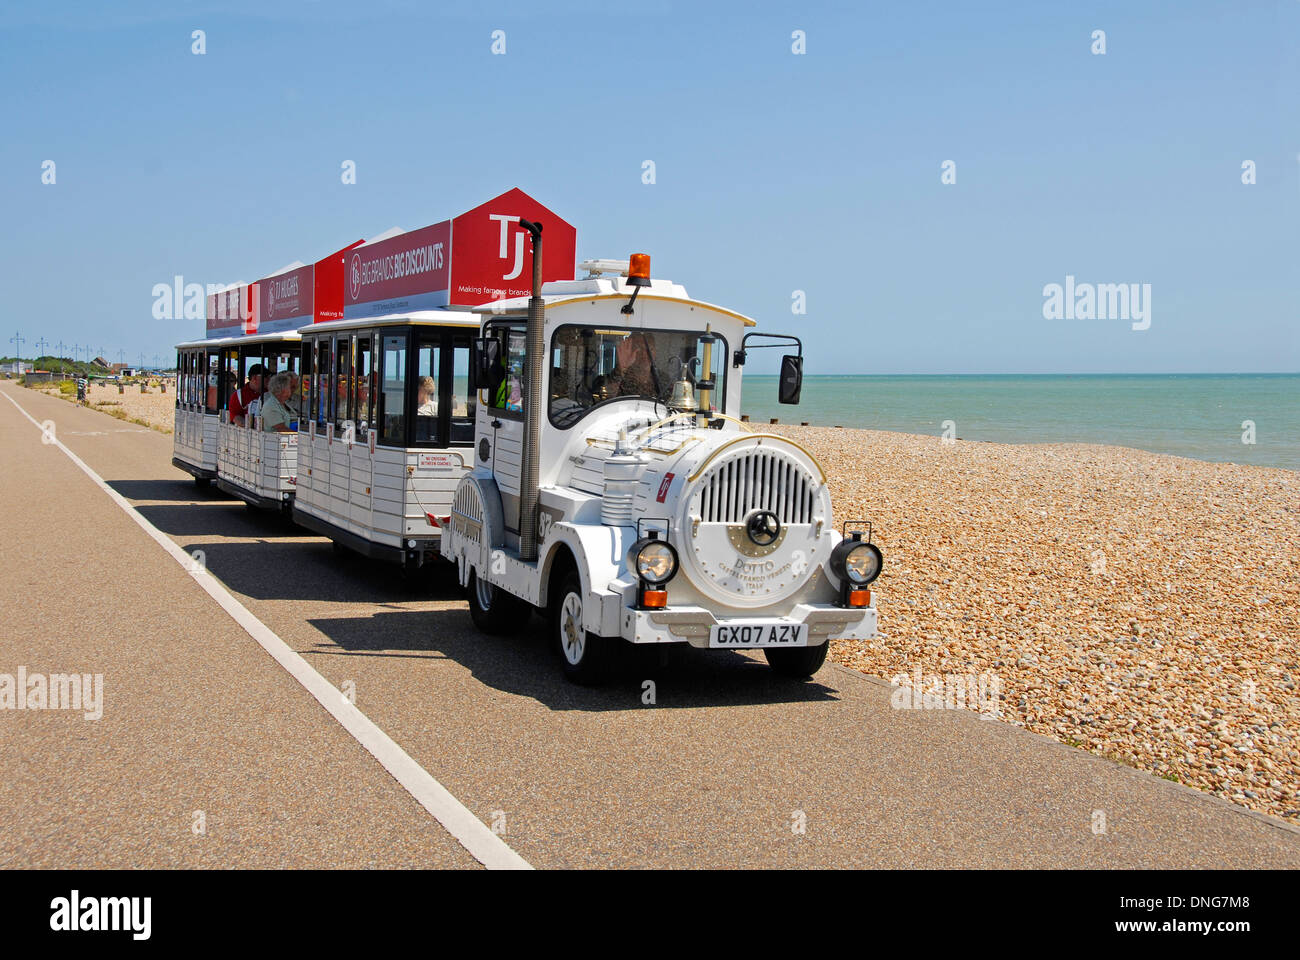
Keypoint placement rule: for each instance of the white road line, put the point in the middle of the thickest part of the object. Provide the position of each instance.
(483, 845)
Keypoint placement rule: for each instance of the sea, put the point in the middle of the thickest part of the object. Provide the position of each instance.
(1225, 418)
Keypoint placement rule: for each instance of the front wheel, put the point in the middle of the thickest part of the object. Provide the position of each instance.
(584, 656)
(799, 662)
(493, 610)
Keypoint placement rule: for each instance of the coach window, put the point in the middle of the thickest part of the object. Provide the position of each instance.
(231, 375)
(251, 356)
(212, 382)
(463, 400)
(428, 374)
(321, 390)
(365, 387)
(302, 401)
(343, 348)
(392, 397)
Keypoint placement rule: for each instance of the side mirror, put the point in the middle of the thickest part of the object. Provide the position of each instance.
(791, 382)
(487, 362)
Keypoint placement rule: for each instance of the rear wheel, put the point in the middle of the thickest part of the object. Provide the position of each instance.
(493, 610)
(800, 662)
(585, 657)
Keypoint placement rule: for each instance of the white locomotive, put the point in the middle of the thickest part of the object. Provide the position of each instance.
(615, 489)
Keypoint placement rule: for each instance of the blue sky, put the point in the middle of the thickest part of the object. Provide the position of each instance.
(775, 172)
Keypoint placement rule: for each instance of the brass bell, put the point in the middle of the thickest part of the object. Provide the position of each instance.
(683, 395)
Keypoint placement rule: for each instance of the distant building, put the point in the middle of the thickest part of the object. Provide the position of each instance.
(17, 368)
(123, 370)
(101, 363)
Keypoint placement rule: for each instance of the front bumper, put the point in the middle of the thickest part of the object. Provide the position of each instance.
(686, 624)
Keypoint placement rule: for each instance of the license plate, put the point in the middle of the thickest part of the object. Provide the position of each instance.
(759, 633)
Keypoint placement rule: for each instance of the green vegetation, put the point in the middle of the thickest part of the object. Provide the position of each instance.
(63, 365)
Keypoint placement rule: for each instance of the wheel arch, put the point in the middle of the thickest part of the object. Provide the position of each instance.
(560, 559)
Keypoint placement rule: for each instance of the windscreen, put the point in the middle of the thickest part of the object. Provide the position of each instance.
(595, 365)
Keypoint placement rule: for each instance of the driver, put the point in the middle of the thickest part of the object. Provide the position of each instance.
(634, 372)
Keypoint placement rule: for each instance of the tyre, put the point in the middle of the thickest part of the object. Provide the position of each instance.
(799, 662)
(493, 610)
(585, 657)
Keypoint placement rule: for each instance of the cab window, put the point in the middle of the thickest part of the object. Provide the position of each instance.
(506, 397)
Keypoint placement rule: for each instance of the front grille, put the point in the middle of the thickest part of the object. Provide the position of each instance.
(758, 480)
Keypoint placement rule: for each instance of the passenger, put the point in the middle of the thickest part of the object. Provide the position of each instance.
(276, 414)
(245, 395)
(426, 401)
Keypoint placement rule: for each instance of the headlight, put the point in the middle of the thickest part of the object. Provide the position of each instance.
(655, 560)
(855, 561)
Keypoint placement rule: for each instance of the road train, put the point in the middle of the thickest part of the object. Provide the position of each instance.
(573, 447)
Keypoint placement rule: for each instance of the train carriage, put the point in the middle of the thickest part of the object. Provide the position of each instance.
(199, 399)
(387, 430)
(256, 465)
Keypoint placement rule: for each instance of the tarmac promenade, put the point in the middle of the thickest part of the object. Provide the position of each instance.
(209, 753)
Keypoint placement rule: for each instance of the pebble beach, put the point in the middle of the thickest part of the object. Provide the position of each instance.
(1143, 607)
(152, 408)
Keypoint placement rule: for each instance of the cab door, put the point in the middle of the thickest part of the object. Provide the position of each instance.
(501, 421)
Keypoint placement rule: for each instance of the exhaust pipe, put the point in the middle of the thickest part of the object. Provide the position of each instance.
(533, 348)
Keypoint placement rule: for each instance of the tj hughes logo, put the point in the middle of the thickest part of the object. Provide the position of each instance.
(505, 222)
(1101, 301)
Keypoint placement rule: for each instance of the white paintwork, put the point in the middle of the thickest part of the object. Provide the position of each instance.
(265, 463)
(384, 496)
(194, 437)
